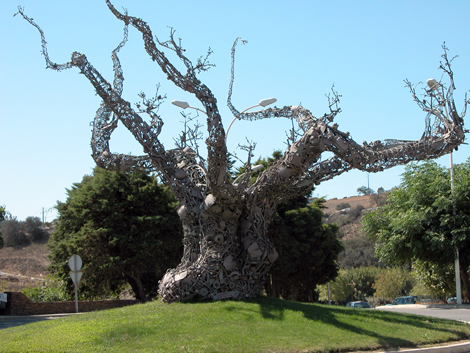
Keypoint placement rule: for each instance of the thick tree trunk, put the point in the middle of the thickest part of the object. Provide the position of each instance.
(224, 256)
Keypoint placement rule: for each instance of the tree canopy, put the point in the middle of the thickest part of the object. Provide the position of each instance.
(308, 251)
(125, 228)
(2, 218)
(424, 220)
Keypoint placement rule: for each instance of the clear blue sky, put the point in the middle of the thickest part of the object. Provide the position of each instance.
(296, 51)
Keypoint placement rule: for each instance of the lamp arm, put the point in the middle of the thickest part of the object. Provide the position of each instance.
(236, 117)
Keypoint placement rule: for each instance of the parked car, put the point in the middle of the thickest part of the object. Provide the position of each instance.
(363, 305)
(452, 300)
(411, 299)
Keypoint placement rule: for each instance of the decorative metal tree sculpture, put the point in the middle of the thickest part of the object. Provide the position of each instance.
(226, 251)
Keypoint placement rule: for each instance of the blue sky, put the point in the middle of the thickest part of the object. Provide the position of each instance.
(296, 51)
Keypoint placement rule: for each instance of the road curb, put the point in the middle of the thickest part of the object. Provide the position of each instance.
(454, 348)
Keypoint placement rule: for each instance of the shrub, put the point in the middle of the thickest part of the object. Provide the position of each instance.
(43, 294)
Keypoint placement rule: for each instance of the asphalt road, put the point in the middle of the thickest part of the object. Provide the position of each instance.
(444, 311)
(7, 321)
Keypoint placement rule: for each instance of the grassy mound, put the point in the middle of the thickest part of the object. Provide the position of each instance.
(260, 325)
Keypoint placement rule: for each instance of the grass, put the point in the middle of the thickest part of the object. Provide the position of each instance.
(260, 325)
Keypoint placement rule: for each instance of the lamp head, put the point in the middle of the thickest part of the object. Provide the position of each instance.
(267, 101)
(256, 168)
(432, 83)
(181, 104)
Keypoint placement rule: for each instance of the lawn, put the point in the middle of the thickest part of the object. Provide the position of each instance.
(260, 325)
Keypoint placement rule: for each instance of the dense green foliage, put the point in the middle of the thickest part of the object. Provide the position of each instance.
(44, 294)
(308, 250)
(358, 252)
(425, 221)
(2, 218)
(393, 282)
(21, 233)
(372, 284)
(125, 228)
(260, 325)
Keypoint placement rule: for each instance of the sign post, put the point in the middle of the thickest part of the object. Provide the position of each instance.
(75, 264)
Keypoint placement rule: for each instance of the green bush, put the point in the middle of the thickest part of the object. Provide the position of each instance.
(43, 294)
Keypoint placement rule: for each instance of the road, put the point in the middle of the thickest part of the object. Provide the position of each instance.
(7, 321)
(444, 311)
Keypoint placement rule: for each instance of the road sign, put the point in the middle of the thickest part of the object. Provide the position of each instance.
(75, 263)
(76, 277)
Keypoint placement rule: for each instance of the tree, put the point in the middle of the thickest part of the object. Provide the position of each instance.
(436, 279)
(358, 252)
(393, 282)
(363, 190)
(227, 252)
(2, 218)
(13, 233)
(424, 221)
(32, 226)
(378, 198)
(351, 284)
(125, 228)
(308, 251)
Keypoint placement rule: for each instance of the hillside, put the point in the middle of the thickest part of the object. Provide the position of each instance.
(26, 266)
(23, 266)
(353, 201)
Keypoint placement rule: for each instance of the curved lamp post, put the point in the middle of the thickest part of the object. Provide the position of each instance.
(434, 86)
(184, 105)
(262, 103)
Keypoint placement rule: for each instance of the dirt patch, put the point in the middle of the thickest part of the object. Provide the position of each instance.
(353, 202)
(23, 266)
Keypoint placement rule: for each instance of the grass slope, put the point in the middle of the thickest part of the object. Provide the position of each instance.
(260, 325)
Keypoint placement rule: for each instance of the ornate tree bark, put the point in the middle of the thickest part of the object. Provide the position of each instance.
(226, 251)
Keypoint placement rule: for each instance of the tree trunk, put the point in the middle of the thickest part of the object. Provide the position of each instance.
(137, 287)
(225, 257)
(466, 282)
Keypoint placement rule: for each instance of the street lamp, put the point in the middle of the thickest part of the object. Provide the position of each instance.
(262, 103)
(434, 86)
(254, 168)
(184, 105)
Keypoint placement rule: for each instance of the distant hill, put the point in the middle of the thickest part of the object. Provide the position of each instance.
(23, 266)
(353, 201)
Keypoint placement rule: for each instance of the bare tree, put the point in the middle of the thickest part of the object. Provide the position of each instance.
(226, 251)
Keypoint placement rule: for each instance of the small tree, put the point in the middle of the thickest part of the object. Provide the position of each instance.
(342, 206)
(364, 190)
(393, 282)
(13, 233)
(32, 226)
(125, 228)
(424, 221)
(2, 218)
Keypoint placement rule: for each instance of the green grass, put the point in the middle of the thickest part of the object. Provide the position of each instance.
(260, 325)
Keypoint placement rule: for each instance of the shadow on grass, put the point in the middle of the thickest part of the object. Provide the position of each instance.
(274, 309)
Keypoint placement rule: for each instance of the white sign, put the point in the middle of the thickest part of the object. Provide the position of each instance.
(76, 277)
(75, 263)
